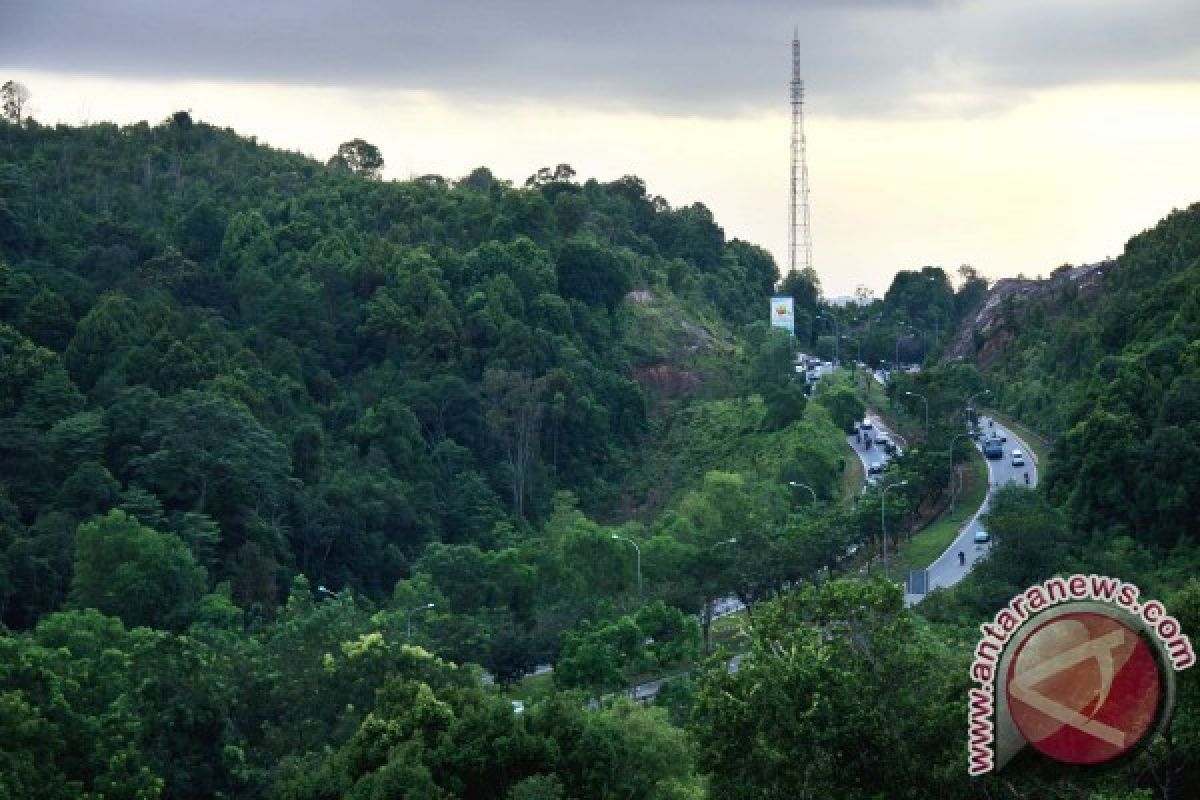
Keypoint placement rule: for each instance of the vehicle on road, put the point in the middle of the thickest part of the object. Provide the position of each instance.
(876, 469)
(993, 449)
(1018, 458)
(866, 425)
(982, 537)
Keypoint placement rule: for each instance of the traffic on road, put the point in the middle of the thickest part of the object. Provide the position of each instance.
(1008, 462)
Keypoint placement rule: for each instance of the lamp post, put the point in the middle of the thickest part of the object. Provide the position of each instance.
(971, 399)
(953, 493)
(799, 485)
(408, 612)
(883, 521)
(926, 400)
(639, 559)
(857, 349)
(836, 333)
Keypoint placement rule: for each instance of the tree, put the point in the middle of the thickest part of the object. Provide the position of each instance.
(593, 273)
(842, 696)
(358, 157)
(804, 287)
(14, 96)
(136, 573)
(514, 413)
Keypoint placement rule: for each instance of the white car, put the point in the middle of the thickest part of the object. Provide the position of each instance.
(866, 425)
(1018, 459)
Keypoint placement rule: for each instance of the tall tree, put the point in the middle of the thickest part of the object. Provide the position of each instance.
(514, 414)
(358, 156)
(14, 95)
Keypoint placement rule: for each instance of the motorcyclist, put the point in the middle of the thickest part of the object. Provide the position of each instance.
(962, 558)
(1026, 478)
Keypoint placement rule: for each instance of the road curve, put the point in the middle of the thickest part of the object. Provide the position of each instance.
(946, 569)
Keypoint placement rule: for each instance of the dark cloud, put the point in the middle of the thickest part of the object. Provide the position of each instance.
(706, 57)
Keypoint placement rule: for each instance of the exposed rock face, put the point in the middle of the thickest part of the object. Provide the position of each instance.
(666, 381)
(983, 335)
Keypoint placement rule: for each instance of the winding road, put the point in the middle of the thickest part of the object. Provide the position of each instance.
(946, 569)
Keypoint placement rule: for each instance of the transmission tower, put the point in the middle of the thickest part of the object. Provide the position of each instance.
(799, 231)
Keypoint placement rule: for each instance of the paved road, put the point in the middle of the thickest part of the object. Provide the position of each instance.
(946, 570)
(874, 455)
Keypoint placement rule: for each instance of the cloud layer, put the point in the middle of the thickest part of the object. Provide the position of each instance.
(679, 57)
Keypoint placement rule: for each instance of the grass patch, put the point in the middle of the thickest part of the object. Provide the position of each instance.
(1037, 443)
(853, 478)
(532, 688)
(732, 631)
(931, 541)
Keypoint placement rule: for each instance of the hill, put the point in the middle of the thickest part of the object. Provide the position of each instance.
(297, 368)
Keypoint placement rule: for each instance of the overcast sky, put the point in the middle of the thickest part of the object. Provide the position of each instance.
(1014, 135)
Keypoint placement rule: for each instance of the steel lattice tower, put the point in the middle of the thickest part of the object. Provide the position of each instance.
(799, 231)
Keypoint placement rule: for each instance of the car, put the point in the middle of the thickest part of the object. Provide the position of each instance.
(982, 537)
(866, 425)
(993, 449)
(876, 469)
(1018, 458)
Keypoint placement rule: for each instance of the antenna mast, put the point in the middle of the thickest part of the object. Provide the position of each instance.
(799, 232)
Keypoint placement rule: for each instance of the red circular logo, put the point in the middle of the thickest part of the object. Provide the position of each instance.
(1083, 688)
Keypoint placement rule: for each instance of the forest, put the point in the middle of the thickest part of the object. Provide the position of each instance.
(305, 473)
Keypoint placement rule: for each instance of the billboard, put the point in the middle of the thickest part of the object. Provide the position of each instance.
(783, 315)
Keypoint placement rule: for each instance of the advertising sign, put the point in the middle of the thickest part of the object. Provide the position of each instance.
(783, 315)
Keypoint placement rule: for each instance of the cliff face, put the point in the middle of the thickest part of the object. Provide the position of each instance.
(983, 335)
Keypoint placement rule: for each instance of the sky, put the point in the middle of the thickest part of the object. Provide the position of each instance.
(1012, 135)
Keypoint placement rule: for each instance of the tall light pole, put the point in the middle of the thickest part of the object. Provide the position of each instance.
(883, 521)
(971, 399)
(799, 485)
(857, 348)
(639, 559)
(953, 493)
(836, 333)
(408, 612)
(926, 399)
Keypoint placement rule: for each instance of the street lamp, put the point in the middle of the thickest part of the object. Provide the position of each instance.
(954, 439)
(836, 333)
(799, 485)
(857, 349)
(639, 559)
(883, 521)
(408, 612)
(971, 399)
(926, 399)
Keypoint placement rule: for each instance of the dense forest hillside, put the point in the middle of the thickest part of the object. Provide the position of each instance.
(296, 367)
(317, 486)
(1109, 368)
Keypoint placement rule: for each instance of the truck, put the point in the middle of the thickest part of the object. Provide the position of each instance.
(993, 449)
